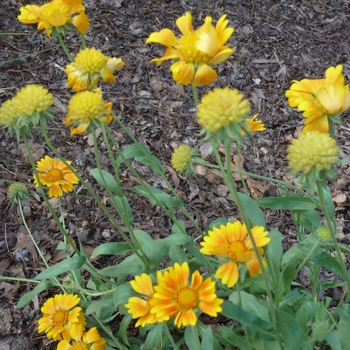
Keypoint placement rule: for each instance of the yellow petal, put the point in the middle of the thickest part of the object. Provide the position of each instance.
(165, 37)
(81, 22)
(204, 75)
(29, 14)
(183, 72)
(185, 23)
(221, 56)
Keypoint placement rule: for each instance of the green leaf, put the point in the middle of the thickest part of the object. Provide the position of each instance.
(149, 247)
(291, 298)
(123, 329)
(174, 239)
(274, 254)
(64, 266)
(229, 336)
(123, 207)
(251, 207)
(208, 340)
(216, 223)
(28, 297)
(113, 248)
(191, 338)
(343, 326)
(132, 265)
(293, 333)
(176, 254)
(106, 178)
(122, 294)
(178, 227)
(308, 219)
(250, 304)
(288, 203)
(96, 306)
(141, 154)
(329, 201)
(156, 196)
(154, 337)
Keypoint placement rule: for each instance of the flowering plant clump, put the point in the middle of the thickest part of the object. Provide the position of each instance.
(86, 107)
(56, 16)
(194, 284)
(321, 100)
(89, 66)
(56, 175)
(196, 52)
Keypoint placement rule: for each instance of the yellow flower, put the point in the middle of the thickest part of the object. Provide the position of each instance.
(60, 313)
(176, 297)
(56, 14)
(181, 158)
(88, 66)
(233, 243)
(80, 340)
(312, 151)
(195, 52)
(56, 175)
(222, 107)
(320, 100)
(25, 110)
(84, 108)
(140, 307)
(255, 125)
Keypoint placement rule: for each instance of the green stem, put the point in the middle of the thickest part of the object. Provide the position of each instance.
(170, 337)
(83, 43)
(64, 47)
(6, 278)
(332, 230)
(239, 167)
(195, 95)
(227, 175)
(307, 257)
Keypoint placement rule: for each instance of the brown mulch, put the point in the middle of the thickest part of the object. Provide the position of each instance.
(275, 42)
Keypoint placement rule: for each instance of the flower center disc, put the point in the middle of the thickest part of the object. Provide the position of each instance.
(55, 174)
(236, 249)
(80, 345)
(188, 50)
(60, 317)
(187, 298)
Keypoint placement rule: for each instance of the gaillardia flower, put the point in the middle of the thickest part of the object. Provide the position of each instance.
(56, 175)
(195, 53)
(25, 110)
(176, 297)
(313, 155)
(320, 100)
(232, 242)
(86, 107)
(181, 158)
(60, 313)
(140, 307)
(80, 340)
(17, 192)
(57, 15)
(89, 66)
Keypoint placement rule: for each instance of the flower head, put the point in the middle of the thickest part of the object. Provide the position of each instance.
(17, 192)
(80, 340)
(320, 100)
(56, 175)
(140, 307)
(313, 154)
(84, 108)
(88, 66)
(25, 110)
(60, 313)
(177, 297)
(254, 125)
(181, 158)
(232, 242)
(323, 234)
(57, 16)
(195, 52)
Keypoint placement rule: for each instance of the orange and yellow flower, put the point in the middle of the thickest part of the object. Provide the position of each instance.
(56, 14)
(56, 175)
(176, 297)
(232, 243)
(320, 100)
(60, 313)
(89, 66)
(80, 340)
(140, 307)
(196, 53)
(86, 107)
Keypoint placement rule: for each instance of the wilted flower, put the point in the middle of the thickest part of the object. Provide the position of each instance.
(86, 107)
(320, 100)
(17, 192)
(89, 66)
(60, 313)
(140, 307)
(176, 297)
(196, 52)
(181, 158)
(56, 175)
(57, 15)
(254, 125)
(80, 340)
(232, 242)
(25, 110)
